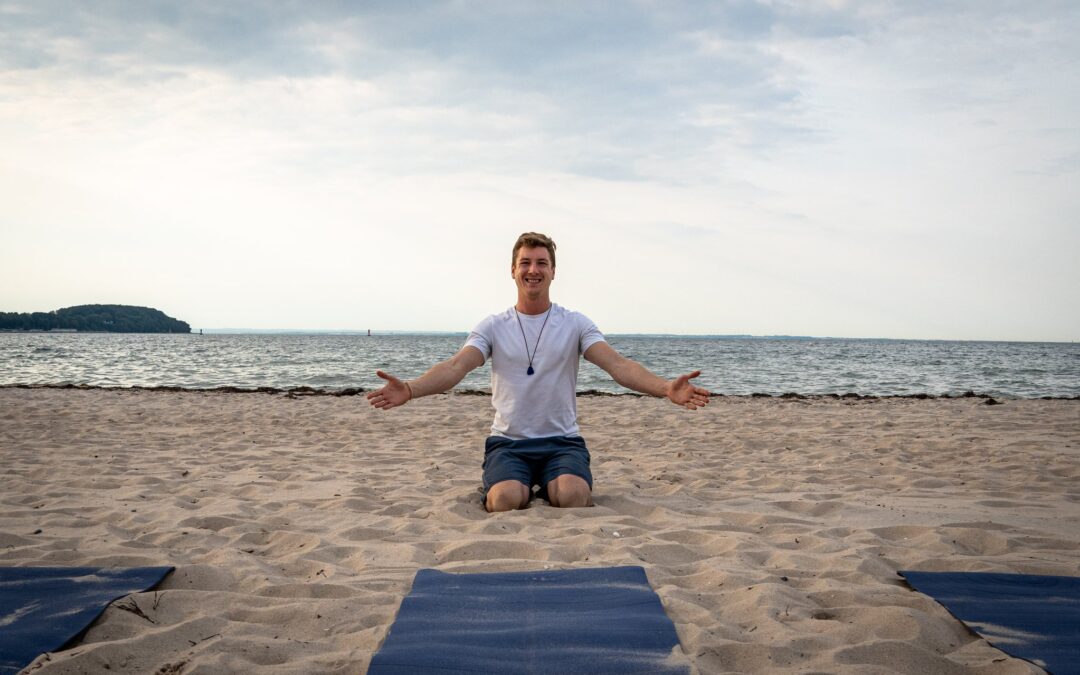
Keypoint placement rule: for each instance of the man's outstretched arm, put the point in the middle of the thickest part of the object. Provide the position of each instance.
(633, 375)
(441, 377)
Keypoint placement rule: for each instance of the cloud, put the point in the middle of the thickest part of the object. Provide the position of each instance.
(791, 145)
(610, 91)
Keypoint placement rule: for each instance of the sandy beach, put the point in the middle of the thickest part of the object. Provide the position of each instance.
(771, 529)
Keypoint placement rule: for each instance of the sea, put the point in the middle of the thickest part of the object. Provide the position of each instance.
(729, 365)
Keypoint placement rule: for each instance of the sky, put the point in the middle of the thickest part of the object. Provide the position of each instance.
(863, 169)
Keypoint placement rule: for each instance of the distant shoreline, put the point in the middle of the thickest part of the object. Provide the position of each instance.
(296, 392)
(101, 318)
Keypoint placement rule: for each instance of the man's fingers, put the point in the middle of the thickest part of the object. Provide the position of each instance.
(378, 397)
(381, 391)
(685, 379)
(695, 402)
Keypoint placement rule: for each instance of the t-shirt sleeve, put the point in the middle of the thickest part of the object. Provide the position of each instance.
(482, 337)
(590, 334)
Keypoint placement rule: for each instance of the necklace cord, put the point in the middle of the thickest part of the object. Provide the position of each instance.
(526, 340)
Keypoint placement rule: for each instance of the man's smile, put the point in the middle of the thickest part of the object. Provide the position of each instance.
(533, 273)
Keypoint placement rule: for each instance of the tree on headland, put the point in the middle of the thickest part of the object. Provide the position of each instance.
(96, 318)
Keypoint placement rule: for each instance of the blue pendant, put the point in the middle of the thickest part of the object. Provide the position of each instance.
(530, 371)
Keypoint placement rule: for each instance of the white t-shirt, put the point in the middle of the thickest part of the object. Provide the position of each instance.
(544, 403)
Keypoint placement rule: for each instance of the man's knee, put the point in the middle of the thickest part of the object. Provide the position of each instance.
(507, 495)
(569, 491)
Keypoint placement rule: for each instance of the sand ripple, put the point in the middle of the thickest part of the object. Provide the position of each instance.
(772, 530)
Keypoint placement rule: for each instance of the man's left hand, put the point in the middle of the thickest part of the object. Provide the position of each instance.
(681, 392)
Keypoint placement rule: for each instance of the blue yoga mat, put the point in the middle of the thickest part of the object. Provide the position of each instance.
(1032, 617)
(44, 608)
(605, 620)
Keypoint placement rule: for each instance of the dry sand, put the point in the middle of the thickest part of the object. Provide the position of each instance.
(771, 529)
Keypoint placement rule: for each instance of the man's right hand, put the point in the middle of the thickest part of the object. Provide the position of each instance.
(391, 395)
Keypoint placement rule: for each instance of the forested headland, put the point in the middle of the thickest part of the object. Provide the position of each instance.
(96, 318)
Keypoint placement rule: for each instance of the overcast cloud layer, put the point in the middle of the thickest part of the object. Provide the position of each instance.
(863, 169)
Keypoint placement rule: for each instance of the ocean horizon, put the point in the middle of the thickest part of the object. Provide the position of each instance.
(675, 336)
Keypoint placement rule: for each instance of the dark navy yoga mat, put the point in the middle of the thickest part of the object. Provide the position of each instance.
(43, 608)
(1032, 617)
(602, 620)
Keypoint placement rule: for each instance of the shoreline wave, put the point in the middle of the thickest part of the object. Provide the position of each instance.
(295, 392)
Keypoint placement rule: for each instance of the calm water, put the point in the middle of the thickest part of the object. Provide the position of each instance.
(730, 365)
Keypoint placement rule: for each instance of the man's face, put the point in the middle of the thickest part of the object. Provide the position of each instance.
(533, 271)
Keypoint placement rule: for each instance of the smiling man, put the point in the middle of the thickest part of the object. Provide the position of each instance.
(535, 349)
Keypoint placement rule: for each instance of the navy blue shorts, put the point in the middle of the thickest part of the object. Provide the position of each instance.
(535, 461)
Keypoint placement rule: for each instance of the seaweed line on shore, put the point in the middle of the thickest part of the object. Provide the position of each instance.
(297, 392)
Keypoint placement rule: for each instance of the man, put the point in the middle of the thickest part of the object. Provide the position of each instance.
(534, 348)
